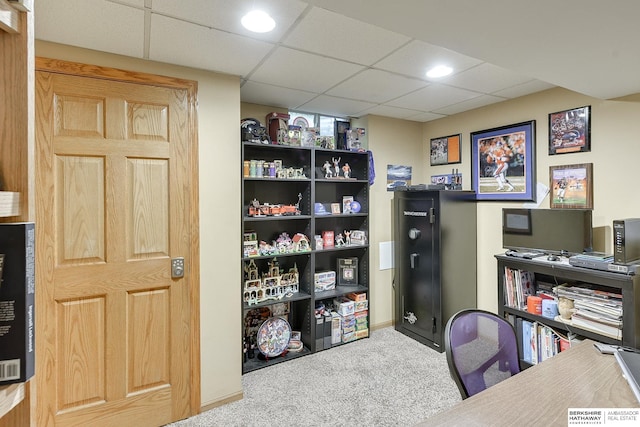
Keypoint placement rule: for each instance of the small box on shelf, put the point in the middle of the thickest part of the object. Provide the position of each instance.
(9, 203)
(344, 306)
(17, 299)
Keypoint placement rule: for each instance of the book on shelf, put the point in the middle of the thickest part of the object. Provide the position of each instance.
(599, 311)
(580, 320)
(540, 342)
(587, 293)
(518, 285)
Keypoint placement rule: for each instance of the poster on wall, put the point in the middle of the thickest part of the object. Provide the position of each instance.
(398, 176)
(503, 162)
(445, 150)
(570, 131)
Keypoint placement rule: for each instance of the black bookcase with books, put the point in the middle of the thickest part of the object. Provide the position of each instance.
(606, 305)
(315, 202)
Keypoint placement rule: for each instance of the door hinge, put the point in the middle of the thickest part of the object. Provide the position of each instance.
(432, 215)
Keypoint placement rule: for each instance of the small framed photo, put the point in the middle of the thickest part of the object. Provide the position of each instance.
(335, 208)
(358, 237)
(346, 204)
(446, 150)
(570, 131)
(348, 271)
(571, 186)
(503, 162)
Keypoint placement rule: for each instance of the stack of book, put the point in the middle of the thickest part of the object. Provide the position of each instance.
(539, 342)
(518, 284)
(595, 310)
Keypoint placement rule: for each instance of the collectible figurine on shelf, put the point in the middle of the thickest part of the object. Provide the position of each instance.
(347, 237)
(336, 166)
(346, 170)
(339, 240)
(327, 169)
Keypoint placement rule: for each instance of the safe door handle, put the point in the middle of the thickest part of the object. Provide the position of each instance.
(413, 259)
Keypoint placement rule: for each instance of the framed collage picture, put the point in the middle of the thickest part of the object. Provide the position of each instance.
(503, 162)
(570, 131)
(571, 186)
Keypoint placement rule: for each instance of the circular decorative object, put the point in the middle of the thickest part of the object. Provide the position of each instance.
(355, 207)
(274, 336)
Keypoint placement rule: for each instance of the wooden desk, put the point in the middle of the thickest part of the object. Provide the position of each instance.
(580, 377)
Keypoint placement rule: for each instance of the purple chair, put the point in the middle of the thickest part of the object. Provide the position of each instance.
(481, 350)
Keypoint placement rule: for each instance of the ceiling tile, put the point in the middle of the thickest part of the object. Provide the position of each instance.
(299, 70)
(259, 93)
(103, 26)
(471, 104)
(433, 97)
(425, 117)
(388, 111)
(324, 104)
(486, 78)
(337, 36)
(376, 86)
(175, 41)
(226, 14)
(417, 57)
(527, 88)
(135, 3)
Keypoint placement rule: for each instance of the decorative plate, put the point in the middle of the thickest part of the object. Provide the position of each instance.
(274, 336)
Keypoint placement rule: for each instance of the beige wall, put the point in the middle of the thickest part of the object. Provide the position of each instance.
(392, 142)
(220, 205)
(615, 130)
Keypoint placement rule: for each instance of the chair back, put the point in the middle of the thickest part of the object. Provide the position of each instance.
(481, 349)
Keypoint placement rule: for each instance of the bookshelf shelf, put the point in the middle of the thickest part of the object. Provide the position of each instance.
(559, 273)
(311, 191)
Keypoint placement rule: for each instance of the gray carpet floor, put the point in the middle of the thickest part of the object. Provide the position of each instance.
(387, 379)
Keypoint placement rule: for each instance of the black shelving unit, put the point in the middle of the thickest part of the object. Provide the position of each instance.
(306, 181)
(559, 273)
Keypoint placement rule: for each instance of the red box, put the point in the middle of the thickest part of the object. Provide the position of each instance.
(328, 239)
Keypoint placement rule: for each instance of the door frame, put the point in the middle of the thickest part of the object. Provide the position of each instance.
(192, 217)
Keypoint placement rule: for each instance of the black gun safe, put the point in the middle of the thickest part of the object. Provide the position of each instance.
(435, 233)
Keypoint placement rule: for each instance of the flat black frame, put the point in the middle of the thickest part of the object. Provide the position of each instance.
(447, 143)
(570, 131)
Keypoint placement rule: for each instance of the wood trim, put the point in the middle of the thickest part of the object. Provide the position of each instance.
(226, 400)
(9, 18)
(74, 68)
(17, 116)
(96, 71)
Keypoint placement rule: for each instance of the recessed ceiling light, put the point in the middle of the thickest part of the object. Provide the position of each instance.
(439, 71)
(258, 21)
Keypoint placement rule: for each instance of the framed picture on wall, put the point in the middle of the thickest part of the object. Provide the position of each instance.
(503, 162)
(570, 131)
(446, 150)
(571, 186)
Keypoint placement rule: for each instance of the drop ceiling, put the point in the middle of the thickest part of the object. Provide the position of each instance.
(356, 57)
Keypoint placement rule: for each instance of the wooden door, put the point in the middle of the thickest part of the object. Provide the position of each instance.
(116, 334)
